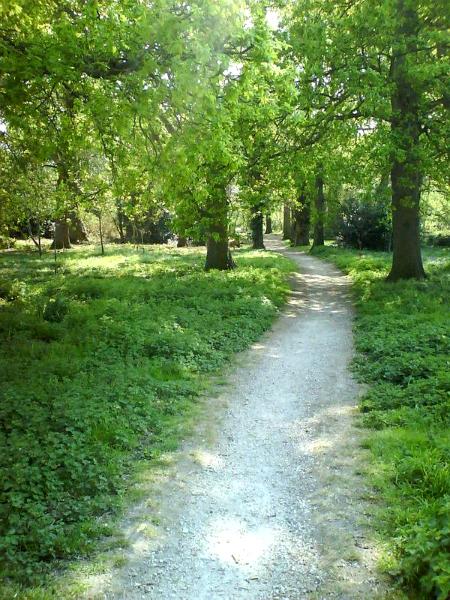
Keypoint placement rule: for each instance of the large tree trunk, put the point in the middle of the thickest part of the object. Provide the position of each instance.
(286, 222)
(61, 238)
(302, 222)
(257, 228)
(218, 255)
(319, 237)
(406, 171)
(77, 230)
(268, 224)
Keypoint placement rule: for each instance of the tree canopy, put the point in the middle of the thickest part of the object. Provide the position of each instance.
(196, 108)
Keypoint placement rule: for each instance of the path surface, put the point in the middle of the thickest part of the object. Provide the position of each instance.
(268, 506)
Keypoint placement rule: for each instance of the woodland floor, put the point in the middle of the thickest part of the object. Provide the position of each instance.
(264, 501)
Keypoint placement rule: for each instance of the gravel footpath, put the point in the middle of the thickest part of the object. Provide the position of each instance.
(264, 502)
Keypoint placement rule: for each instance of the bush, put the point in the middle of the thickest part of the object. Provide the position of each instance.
(442, 241)
(363, 224)
(55, 310)
(6, 242)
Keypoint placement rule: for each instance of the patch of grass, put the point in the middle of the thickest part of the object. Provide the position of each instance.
(403, 351)
(101, 366)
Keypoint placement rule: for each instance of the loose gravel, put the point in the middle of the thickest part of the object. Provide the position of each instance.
(264, 501)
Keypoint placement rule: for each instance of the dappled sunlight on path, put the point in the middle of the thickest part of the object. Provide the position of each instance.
(263, 502)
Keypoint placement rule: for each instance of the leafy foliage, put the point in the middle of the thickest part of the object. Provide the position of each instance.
(115, 351)
(364, 224)
(132, 110)
(403, 344)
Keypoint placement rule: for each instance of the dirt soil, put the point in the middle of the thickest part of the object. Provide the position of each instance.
(264, 501)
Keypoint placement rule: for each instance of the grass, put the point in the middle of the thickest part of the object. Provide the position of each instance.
(403, 353)
(101, 366)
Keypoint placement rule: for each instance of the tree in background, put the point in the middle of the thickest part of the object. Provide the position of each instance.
(382, 66)
(214, 110)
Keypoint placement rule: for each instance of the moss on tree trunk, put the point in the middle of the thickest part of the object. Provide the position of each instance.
(218, 255)
(320, 205)
(406, 171)
(257, 228)
(301, 222)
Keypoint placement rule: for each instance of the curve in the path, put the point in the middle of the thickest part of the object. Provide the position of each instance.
(269, 509)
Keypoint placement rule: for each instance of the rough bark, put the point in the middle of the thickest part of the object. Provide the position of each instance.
(257, 228)
(268, 224)
(181, 242)
(218, 255)
(301, 222)
(286, 222)
(77, 230)
(319, 236)
(61, 238)
(406, 171)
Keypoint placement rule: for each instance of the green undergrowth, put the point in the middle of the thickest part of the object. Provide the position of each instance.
(101, 364)
(402, 337)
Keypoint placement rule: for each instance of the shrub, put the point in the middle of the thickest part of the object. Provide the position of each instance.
(363, 224)
(55, 310)
(6, 242)
(439, 240)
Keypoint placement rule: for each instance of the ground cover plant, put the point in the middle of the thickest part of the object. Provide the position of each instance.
(99, 365)
(403, 353)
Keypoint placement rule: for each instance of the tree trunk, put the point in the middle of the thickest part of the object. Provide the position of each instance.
(218, 255)
(268, 224)
(61, 237)
(319, 237)
(406, 171)
(77, 230)
(181, 242)
(119, 222)
(36, 242)
(100, 229)
(286, 222)
(302, 222)
(257, 228)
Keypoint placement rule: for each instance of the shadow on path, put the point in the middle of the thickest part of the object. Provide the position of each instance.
(263, 503)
